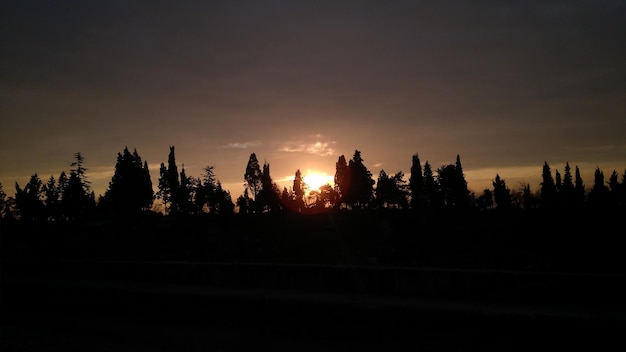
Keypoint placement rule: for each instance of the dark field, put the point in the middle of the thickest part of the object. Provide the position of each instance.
(326, 282)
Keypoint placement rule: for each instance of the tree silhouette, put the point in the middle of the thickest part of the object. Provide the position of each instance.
(567, 192)
(361, 189)
(433, 198)
(453, 186)
(223, 200)
(4, 204)
(244, 202)
(485, 200)
(252, 178)
(614, 189)
(298, 191)
(169, 184)
(186, 190)
(548, 187)
(29, 201)
(269, 195)
(622, 191)
(209, 193)
(130, 189)
(501, 194)
(529, 200)
(52, 195)
(81, 171)
(342, 180)
(328, 196)
(383, 189)
(416, 184)
(391, 192)
(463, 194)
(599, 194)
(579, 189)
(78, 200)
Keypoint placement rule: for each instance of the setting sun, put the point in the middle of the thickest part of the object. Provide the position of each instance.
(316, 180)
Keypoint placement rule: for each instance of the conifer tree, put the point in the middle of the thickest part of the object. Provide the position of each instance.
(446, 178)
(206, 190)
(598, 196)
(252, 177)
(185, 193)
(130, 189)
(209, 194)
(78, 200)
(298, 191)
(548, 187)
(5, 205)
(169, 184)
(268, 197)
(52, 196)
(342, 180)
(416, 184)
(529, 201)
(579, 189)
(81, 172)
(432, 194)
(328, 196)
(382, 191)
(391, 192)
(287, 199)
(223, 200)
(361, 190)
(501, 194)
(453, 186)
(485, 200)
(622, 198)
(460, 185)
(29, 201)
(164, 192)
(244, 203)
(567, 192)
(614, 189)
(62, 184)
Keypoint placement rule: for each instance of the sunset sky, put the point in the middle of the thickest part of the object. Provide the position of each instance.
(506, 85)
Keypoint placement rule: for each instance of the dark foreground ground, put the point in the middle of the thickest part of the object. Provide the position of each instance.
(41, 314)
(331, 282)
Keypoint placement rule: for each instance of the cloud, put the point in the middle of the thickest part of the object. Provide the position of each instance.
(237, 145)
(316, 148)
(292, 149)
(321, 149)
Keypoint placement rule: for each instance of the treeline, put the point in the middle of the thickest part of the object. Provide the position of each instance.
(131, 192)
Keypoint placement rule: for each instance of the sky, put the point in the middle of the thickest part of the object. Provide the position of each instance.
(506, 85)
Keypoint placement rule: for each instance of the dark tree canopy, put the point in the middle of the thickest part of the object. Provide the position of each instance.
(599, 194)
(548, 187)
(298, 191)
(269, 195)
(169, 184)
(391, 191)
(130, 189)
(501, 194)
(453, 185)
(416, 184)
(29, 200)
(252, 176)
(361, 185)
(78, 200)
(342, 179)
